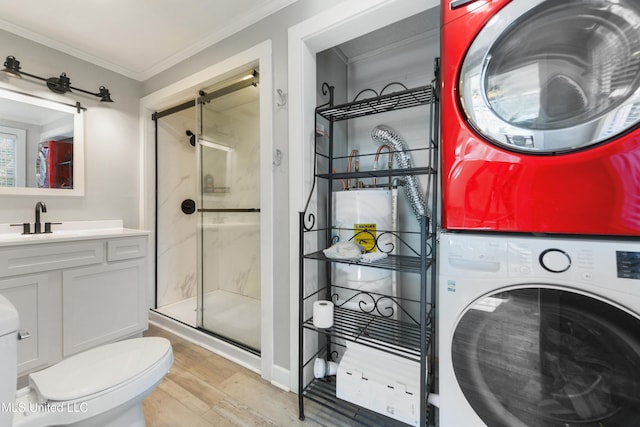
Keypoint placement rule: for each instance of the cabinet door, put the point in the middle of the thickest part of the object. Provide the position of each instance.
(103, 303)
(31, 297)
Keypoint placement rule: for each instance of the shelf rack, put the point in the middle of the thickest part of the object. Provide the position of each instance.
(392, 262)
(379, 103)
(395, 337)
(384, 322)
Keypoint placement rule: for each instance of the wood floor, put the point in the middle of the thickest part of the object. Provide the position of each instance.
(204, 389)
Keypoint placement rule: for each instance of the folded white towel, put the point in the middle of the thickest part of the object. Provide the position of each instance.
(372, 256)
(344, 250)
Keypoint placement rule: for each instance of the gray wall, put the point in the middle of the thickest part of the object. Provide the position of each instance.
(112, 143)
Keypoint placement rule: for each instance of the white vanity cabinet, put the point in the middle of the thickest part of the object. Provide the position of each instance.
(75, 293)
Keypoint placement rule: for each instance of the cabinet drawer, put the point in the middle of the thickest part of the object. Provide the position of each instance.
(15, 261)
(129, 248)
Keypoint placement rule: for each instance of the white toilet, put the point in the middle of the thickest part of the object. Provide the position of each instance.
(101, 387)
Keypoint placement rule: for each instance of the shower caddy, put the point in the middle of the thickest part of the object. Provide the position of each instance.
(410, 339)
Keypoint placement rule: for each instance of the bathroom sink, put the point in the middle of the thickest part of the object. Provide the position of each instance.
(42, 236)
(66, 230)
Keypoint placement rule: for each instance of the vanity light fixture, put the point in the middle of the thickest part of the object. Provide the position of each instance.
(61, 84)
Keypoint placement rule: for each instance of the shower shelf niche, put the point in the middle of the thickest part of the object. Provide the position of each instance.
(386, 323)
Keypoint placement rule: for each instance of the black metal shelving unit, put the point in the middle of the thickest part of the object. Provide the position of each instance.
(408, 336)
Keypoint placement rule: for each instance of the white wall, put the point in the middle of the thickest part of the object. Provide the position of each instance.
(111, 137)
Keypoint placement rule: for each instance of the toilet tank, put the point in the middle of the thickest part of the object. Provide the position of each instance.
(8, 356)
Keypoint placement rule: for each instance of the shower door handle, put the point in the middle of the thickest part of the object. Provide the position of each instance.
(188, 206)
(230, 210)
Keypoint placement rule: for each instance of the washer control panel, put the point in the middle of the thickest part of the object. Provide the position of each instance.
(597, 262)
(628, 264)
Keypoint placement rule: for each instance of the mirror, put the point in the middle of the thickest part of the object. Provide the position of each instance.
(41, 146)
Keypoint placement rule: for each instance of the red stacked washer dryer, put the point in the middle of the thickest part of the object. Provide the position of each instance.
(540, 111)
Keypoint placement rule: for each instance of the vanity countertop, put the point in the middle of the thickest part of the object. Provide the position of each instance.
(68, 231)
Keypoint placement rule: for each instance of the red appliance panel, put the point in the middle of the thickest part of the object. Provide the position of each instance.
(485, 187)
(60, 164)
(454, 9)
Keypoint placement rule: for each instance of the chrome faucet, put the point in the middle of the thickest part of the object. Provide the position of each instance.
(40, 207)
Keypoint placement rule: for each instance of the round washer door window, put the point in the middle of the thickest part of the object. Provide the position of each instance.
(554, 76)
(543, 357)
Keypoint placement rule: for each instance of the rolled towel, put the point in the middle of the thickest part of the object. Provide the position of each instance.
(370, 257)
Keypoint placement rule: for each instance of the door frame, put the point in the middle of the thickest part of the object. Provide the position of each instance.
(187, 89)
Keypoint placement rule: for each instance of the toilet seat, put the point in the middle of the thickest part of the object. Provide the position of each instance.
(93, 382)
(106, 367)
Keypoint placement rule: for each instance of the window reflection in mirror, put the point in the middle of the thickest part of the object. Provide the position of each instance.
(13, 143)
(41, 146)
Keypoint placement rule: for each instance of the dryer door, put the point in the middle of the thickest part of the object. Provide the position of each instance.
(548, 76)
(543, 357)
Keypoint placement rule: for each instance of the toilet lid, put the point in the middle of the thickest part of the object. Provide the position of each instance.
(98, 369)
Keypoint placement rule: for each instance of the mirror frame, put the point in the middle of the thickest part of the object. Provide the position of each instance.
(78, 146)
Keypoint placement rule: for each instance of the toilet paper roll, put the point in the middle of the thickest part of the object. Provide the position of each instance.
(323, 368)
(322, 314)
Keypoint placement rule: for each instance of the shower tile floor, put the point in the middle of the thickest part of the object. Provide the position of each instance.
(227, 314)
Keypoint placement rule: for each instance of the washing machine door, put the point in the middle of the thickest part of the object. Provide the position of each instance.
(543, 357)
(546, 76)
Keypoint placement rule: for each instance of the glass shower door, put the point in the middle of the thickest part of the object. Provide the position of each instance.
(229, 209)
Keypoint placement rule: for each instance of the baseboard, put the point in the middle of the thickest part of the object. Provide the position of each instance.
(280, 377)
(222, 348)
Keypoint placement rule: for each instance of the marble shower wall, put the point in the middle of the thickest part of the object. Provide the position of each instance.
(176, 255)
(231, 241)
